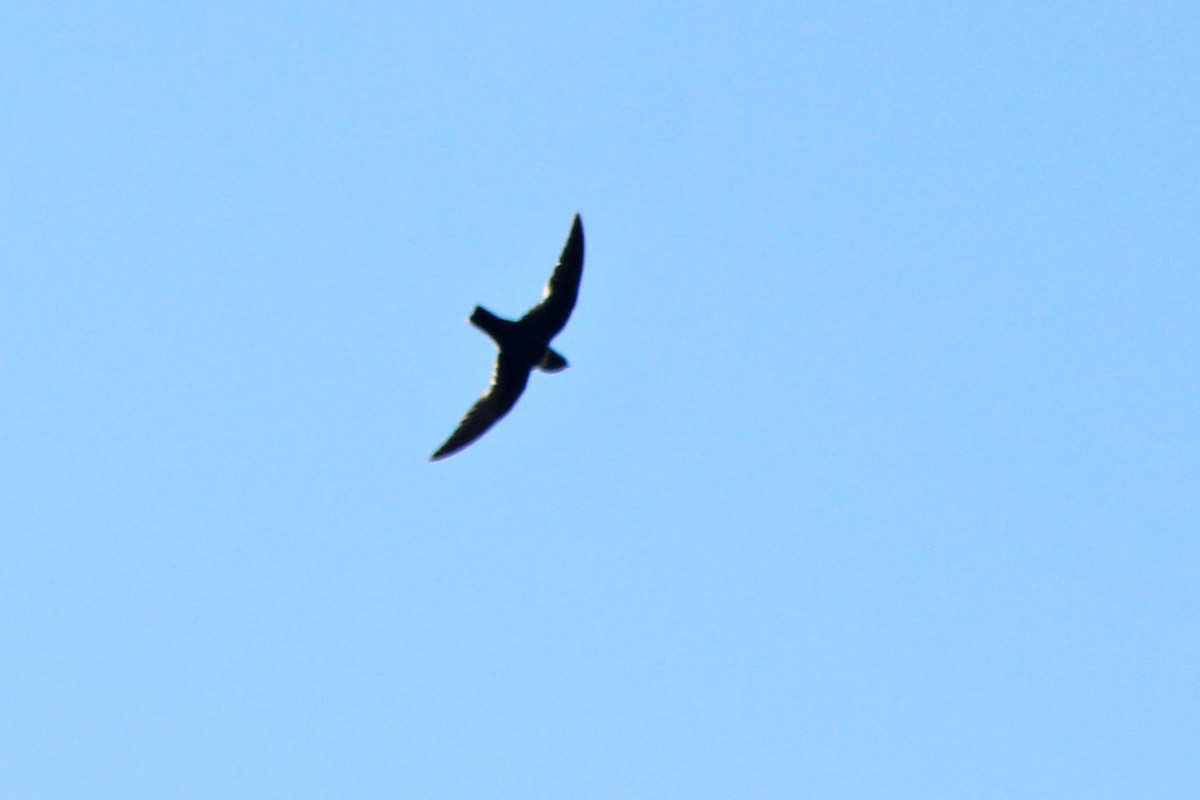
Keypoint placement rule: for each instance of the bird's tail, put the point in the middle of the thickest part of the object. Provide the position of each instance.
(490, 324)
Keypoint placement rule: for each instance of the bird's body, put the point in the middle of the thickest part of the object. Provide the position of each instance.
(524, 345)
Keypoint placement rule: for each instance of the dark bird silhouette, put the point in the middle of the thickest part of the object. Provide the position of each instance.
(524, 345)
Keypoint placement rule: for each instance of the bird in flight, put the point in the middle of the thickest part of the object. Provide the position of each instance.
(524, 345)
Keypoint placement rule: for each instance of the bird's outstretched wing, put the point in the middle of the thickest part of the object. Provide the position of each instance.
(508, 381)
(549, 316)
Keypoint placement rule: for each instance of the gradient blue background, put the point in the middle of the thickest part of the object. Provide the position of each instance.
(875, 474)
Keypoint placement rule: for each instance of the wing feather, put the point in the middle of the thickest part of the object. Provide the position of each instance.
(549, 316)
(508, 381)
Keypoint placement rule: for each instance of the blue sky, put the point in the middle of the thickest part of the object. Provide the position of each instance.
(874, 475)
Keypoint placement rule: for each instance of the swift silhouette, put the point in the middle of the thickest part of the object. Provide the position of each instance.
(524, 345)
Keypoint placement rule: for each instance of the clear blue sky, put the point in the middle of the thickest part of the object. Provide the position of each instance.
(876, 473)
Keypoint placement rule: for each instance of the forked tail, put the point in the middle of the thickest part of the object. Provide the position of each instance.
(490, 324)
